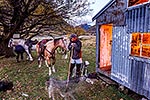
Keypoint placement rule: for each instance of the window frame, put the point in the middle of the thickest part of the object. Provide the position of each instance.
(140, 45)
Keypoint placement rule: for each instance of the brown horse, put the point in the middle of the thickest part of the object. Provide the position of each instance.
(49, 53)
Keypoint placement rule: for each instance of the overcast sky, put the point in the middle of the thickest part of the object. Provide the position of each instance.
(97, 6)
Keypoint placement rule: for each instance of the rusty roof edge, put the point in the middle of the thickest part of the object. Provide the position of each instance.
(103, 9)
(138, 6)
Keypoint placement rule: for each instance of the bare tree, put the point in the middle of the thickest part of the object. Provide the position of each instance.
(30, 17)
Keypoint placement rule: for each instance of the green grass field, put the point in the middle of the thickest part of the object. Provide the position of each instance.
(29, 79)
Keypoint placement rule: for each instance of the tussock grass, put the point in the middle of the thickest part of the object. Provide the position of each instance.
(29, 80)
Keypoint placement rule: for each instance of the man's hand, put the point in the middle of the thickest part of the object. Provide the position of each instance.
(73, 44)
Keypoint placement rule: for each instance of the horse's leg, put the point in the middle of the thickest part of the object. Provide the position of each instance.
(39, 57)
(28, 53)
(53, 63)
(65, 56)
(39, 61)
(50, 71)
(48, 64)
(30, 57)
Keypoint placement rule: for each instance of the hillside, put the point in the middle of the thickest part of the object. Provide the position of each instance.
(91, 30)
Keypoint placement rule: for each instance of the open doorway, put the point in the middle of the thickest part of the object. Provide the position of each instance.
(105, 47)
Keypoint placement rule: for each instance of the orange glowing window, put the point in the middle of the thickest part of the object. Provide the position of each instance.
(135, 44)
(146, 39)
(140, 44)
(136, 2)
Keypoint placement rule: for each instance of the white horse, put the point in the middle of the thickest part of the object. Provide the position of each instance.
(22, 42)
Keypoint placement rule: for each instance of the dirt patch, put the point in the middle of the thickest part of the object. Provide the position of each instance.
(91, 89)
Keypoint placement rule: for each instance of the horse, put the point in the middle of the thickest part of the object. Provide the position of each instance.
(20, 46)
(49, 52)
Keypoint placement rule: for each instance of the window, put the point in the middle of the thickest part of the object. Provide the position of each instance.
(136, 2)
(140, 44)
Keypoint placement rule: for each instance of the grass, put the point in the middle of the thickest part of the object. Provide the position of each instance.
(29, 80)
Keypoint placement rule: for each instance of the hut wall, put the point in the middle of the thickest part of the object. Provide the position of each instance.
(120, 71)
(138, 20)
(97, 45)
(130, 71)
(140, 75)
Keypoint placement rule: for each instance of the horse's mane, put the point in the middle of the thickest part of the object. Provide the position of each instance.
(50, 41)
(56, 39)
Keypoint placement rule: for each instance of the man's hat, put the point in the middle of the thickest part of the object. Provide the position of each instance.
(73, 35)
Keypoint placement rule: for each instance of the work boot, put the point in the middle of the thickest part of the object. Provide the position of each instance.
(78, 71)
(71, 70)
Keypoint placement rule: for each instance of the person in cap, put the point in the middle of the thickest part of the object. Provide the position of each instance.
(75, 46)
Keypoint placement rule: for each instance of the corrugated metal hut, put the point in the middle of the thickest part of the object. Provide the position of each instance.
(123, 43)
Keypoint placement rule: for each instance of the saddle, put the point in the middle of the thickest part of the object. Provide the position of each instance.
(42, 46)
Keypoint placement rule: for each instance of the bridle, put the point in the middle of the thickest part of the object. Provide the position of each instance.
(52, 53)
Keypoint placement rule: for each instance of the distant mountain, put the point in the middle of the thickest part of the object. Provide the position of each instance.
(85, 26)
(92, 30)
(88, 28)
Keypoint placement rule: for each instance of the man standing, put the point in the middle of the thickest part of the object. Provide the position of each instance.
(76, 60)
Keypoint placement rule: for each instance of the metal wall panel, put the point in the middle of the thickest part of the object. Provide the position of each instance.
(120, 51)
(137, 18)
(132, 72)
(140, 75)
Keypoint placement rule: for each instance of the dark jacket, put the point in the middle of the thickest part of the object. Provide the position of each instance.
(76, 50)
(19, 49)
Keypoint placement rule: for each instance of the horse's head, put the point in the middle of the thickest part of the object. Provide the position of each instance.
(10, 43)
(60, 42)
(66, 41)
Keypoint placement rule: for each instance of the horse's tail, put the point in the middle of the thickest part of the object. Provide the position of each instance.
(37, 49)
